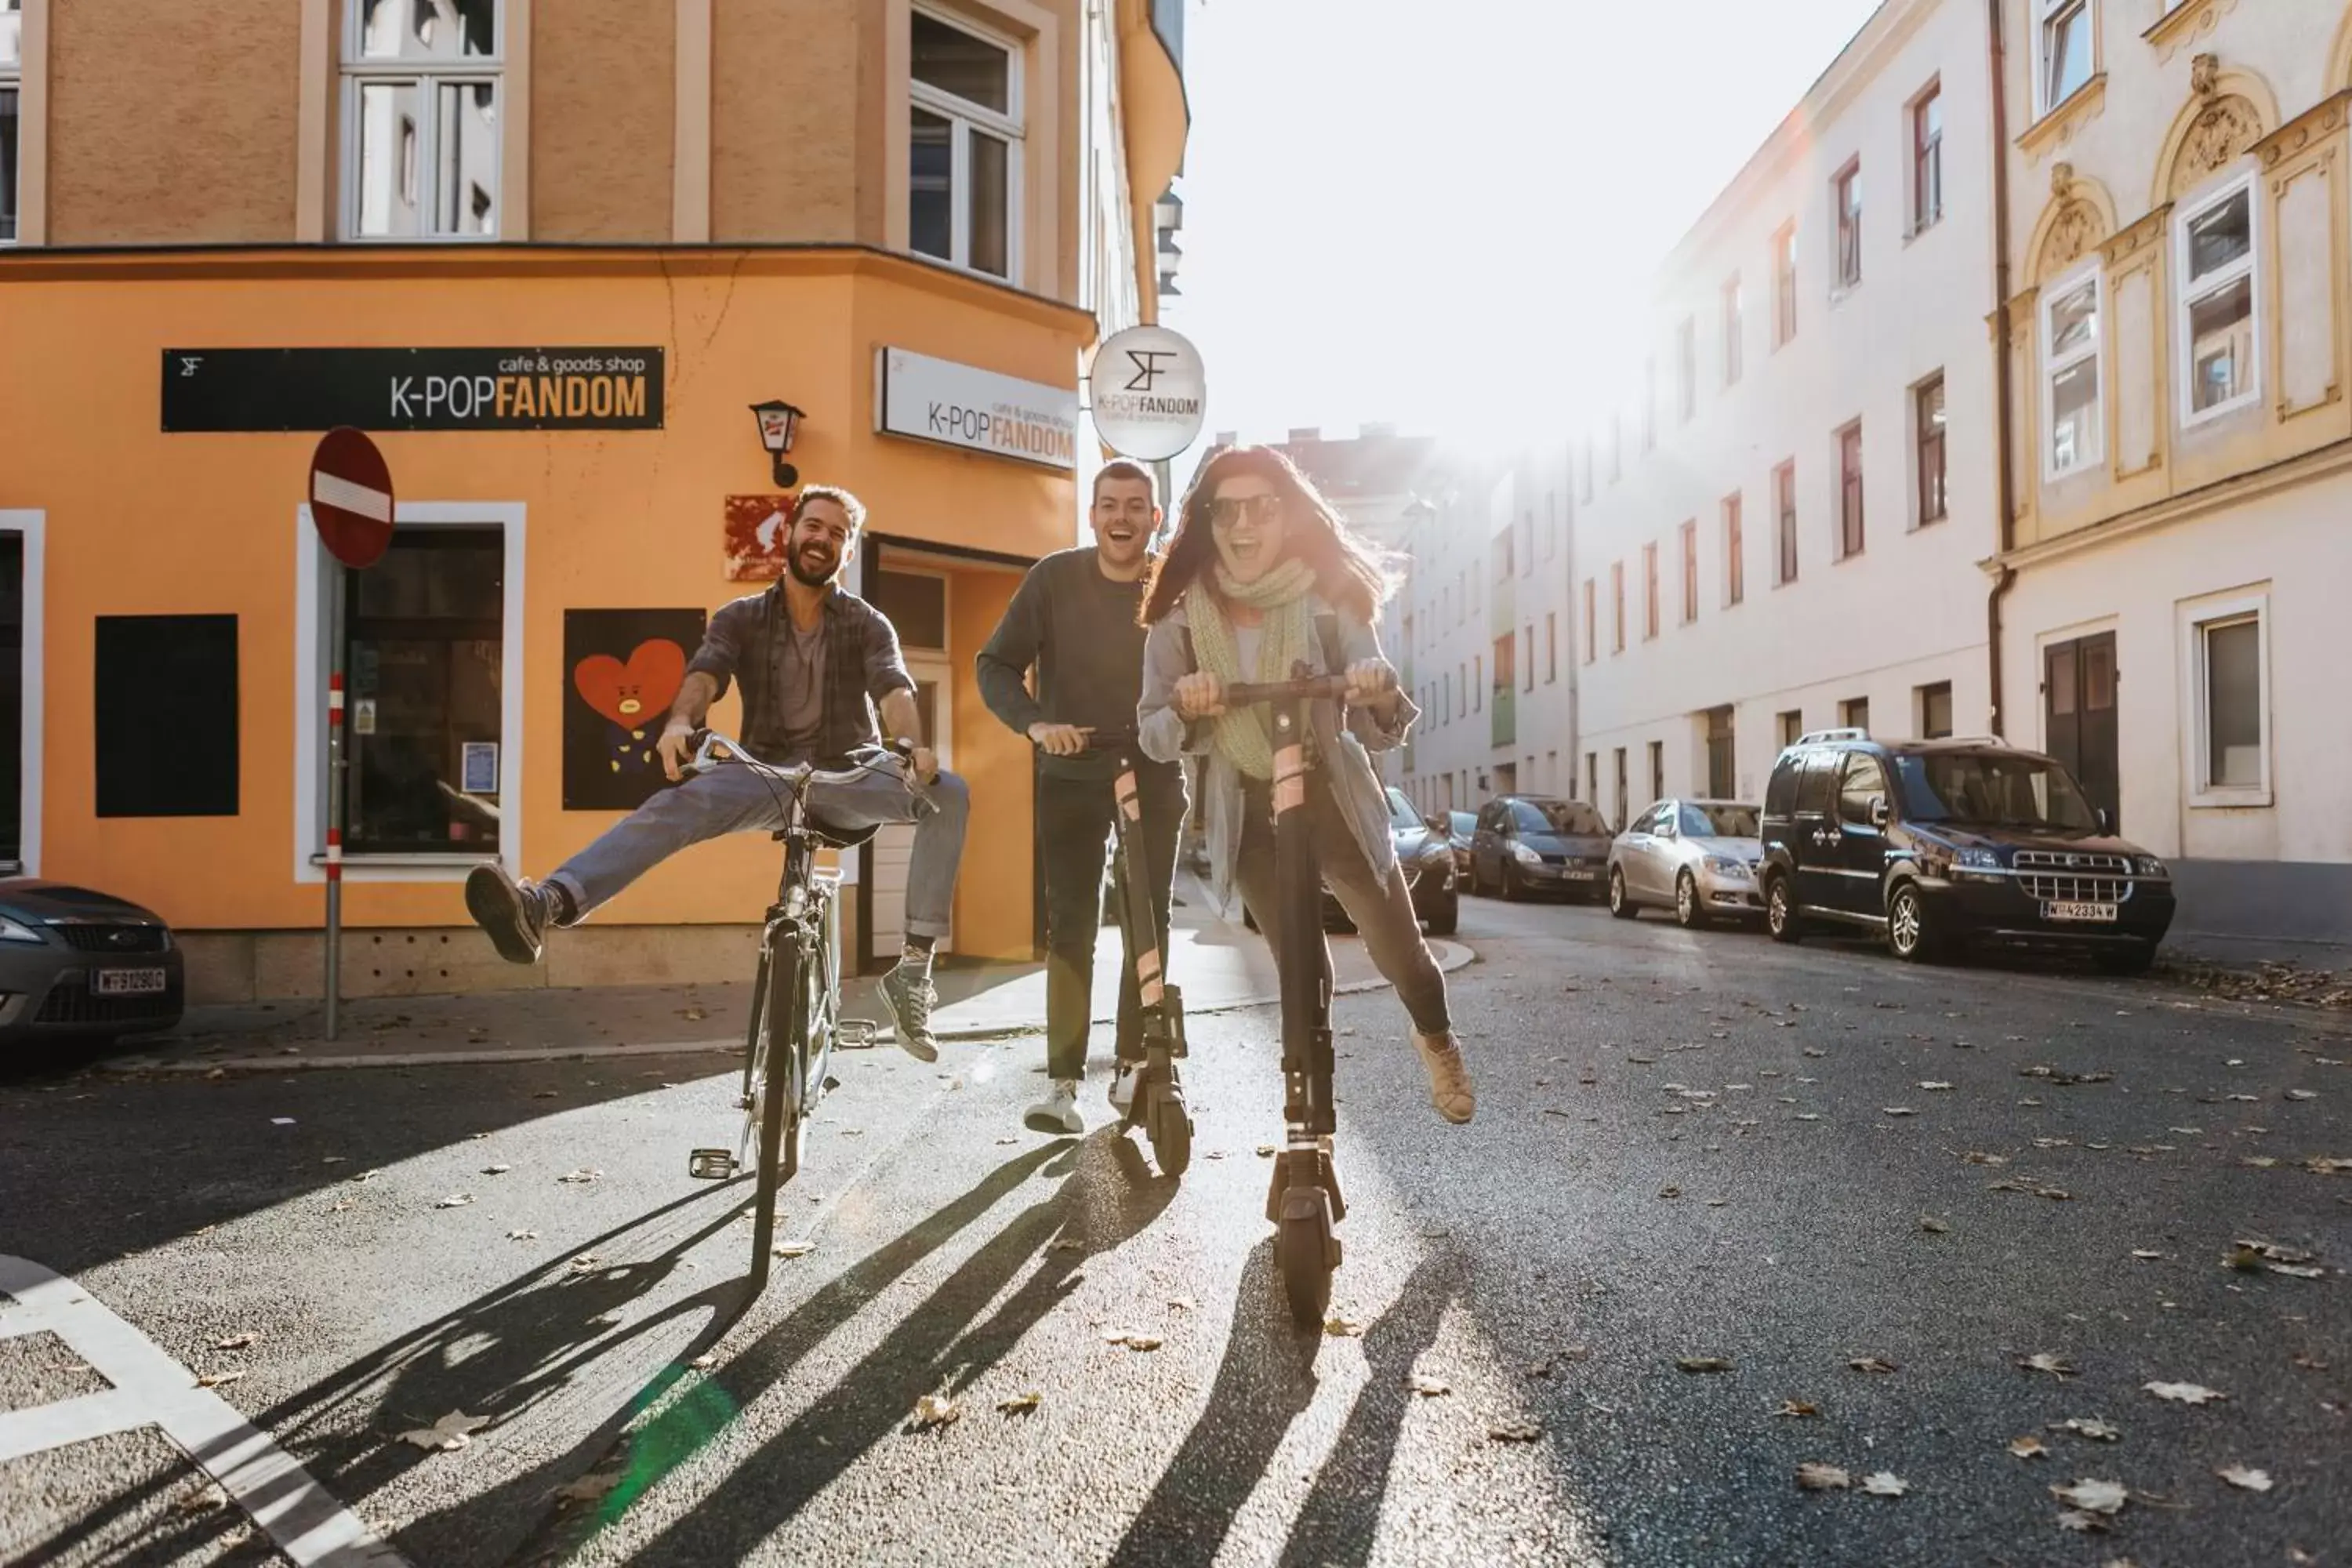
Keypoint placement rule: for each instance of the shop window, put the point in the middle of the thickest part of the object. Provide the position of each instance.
(2070, 362)
(422, 92)
(12, 68)
(424, 661)
(2230, 682)
(2216, 305)
(166, 716)
(963, 191)
(1935, 710)
(2064, 48)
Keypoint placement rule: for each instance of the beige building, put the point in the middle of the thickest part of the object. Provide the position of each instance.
(2171, 574)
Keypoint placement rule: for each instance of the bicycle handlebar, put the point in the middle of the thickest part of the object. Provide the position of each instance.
(712, 750)
(1242, 694)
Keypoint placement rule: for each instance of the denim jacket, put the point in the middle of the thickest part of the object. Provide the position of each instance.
(1165, 735)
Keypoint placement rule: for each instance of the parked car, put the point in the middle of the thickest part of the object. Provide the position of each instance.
(1426, 855)
(77, 963)
(1463, 824)
(1697, 857)
(1531, 843)
(1942, 844)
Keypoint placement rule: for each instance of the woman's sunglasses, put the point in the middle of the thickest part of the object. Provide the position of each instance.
(1225, 511)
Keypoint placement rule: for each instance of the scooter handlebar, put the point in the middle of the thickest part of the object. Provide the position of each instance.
(1242, 694)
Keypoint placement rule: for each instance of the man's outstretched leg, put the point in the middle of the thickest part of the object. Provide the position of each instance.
(517, 914)
(939, 815)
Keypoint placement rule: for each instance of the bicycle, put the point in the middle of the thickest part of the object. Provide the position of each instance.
(1303, 1203)
(1159, 1104)
(795, 1022)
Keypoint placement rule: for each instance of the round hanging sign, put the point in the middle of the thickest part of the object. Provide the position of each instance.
(1148, 393)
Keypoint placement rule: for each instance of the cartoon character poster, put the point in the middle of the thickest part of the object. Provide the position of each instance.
(621, 669)
(755, 537)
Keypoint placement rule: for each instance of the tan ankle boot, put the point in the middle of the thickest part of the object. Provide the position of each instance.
(1449, 1077)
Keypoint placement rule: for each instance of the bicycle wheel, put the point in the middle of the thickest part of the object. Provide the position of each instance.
(778, 1101)
(755, 1068)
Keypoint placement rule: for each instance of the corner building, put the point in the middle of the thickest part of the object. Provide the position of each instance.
(550, 255)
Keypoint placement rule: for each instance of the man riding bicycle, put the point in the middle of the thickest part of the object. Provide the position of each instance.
(814, 661)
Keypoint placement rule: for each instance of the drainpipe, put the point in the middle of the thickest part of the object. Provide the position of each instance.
(2004, 438)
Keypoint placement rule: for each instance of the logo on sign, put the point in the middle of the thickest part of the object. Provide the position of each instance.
(1149, 393)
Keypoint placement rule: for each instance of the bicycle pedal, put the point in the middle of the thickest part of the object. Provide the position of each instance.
(711, 1165)
(855, 1034)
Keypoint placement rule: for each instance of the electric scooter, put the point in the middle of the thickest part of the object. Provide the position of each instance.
(1304, 1202)
(1159, 1104)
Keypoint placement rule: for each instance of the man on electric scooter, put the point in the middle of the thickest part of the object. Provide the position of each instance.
(1074, 621)
(1261, 575)
(815, 662)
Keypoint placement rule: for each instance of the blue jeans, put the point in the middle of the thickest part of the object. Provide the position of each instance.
(737, 800)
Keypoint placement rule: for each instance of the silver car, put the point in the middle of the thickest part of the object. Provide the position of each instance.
(1697, 857)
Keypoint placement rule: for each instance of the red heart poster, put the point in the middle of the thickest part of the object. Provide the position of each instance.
(622, 672)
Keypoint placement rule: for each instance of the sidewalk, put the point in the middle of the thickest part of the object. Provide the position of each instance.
(1214, 963)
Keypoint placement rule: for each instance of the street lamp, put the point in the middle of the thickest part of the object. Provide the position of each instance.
(777, 419)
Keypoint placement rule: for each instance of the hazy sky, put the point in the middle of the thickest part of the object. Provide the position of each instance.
(1443, 215)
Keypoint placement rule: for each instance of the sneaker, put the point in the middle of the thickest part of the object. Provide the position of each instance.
(1123, 1080)
(515, 914)
(1058, 1111)
(1449, 1076)
(910, 997)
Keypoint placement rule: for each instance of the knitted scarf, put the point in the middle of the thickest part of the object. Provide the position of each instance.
(1282, 593)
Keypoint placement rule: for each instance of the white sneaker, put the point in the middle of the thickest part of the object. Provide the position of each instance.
(1124, 1077)
(1058, 1111)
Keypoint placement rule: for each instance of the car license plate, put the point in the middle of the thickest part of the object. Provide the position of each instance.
(2103, 914)
(128, 982)
(1579, 874)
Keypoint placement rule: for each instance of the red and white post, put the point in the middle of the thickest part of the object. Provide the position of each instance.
(338, 587)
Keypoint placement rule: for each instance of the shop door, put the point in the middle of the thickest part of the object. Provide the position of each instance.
(893, 846)
(2078, 687)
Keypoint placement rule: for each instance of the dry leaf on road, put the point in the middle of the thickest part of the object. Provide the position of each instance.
(1873, 1364)
(1265, 1151)
(1885, 1483)
(523, 1236)
(216, 1379)
(2097, 1430)
(202, 1499)
(1819, 1477)
(2093, 1497)
(577, 1178)
(1933, 1226)
(1020, 1403)
(1704, 1364)
(935, 1410)
(2027, 1449)
(1428, 1387)
(235, 1342)
(2249, 1480)
(1515, 1432)
(2043, 1360)
(1797, 1407)
(2184, 1393)
(2145, 1254)
(2301, 1094)
(589, 1488)
(1933, 1084)
(496, 1170)
(1339, 1327)
(1897, 1111)
(794, 1248)
(454, 1200)
(453, 1430)
(2081, 1523)
(704, 1362)
(586, 1262)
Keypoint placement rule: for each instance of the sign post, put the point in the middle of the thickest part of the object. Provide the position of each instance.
(352, 508)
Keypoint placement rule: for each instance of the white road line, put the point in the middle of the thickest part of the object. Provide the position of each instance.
(151, 1389)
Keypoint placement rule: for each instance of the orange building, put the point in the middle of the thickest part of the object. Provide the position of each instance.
(550, 256)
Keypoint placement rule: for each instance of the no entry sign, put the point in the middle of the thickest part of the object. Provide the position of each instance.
(350, 498)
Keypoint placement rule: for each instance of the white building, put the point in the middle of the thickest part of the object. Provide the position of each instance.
(2176, 626)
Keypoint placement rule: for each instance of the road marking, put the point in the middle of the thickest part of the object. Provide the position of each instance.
(150, 1389)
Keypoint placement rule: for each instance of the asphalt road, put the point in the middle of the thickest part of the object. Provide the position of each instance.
(1786, 1160)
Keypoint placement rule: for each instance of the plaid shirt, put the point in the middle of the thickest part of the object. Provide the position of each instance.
(862, 665)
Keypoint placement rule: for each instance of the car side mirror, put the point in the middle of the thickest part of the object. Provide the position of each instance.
(1880, 813)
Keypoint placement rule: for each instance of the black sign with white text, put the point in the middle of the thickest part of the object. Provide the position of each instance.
(413, 389)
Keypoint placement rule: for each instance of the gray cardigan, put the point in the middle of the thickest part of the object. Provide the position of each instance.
(1165, 735)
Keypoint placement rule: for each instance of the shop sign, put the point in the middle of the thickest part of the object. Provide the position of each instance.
(1147, 393)
(413, 389)
(962, 406)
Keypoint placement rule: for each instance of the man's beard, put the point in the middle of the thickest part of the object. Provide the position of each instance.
(800, 575)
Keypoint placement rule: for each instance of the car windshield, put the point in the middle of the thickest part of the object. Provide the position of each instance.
(1711, 819)
(1568, 817)
(1973, 789)
(1465, 823)
(1400, 811)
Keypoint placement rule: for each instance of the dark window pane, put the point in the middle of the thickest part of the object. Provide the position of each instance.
(8, 163)
(1935, 710)
(931, 191)
(954, 61)
(1865, 782)
(167, 715)
(990, 226)
(915, 606)
(2234, 712)
(2221, 235)
(12, 696)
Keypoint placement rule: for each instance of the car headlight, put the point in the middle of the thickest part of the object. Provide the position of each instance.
(2149, 866)
(13, 931)
(1977, 859)
(1728, 865)
(1524, 856)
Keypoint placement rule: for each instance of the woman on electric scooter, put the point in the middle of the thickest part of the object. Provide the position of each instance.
(1261, 574)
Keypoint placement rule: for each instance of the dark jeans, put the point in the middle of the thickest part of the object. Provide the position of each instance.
(1074, 822)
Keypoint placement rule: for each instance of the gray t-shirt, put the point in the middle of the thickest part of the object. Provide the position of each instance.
(804, 688)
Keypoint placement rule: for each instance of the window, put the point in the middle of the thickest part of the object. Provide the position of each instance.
(1687, 369)
(1551, 524)
(1650, 404)
(1592, 777)
(1445, 714)
(1784, 285)
(2063, 50)
(1657, 770)
(1617, 591)
(1501, 553)
(2230, 681)
(1690, 572)
(1855, 713)
(1619, 818)
(964, 187)
(1847, 201)
(1927, 159)
(12, 64)
(166, 700)
(1592, 623)
(1850, 492)
(1479, 683)
(2216, 305)
(1527, 542)
(1735, 553)
(1928, 418)
(2070, 359)
(1527, 662)
(1735, 325)
(422, 95)
(1784, 522)
(1935, 710)
(1649, 592)
(1792, 727)
(1551, 646)
(1864, 788)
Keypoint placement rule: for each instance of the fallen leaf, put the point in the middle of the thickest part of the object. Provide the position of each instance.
(1142, 1341)
(590, 1487)
(1815, 1051)
(1873, 1364)
(496, 1170)
(340, 1205)
(935, 1410)
(1933, 1226)
(1183, 1303)
(1978, 1157)
(1704, 1364)
(2249, 1481)
(1515, 1432)
(1428, 1387)
(204, 1498)
(1339, 1327)
(1819, 1477)
(2083, 1524)
(1885, 1483)
(1265, 1151)
(577, 1178)
(704, 1362)
(453, 1430)
(1020, 1403)
(220, 1379)
(523, 1236)
(2258, 1161)
(2093, 1497)
(367, 1175)
(1933, 1084)
(1797, 1407)
(544, 1094)
(587, 1262)
(1897, 1111)
(2027, 1449)
(454, 1200)
(1670, 1192)
(2183, 1392)
(2301, 1094)
(2145, 1254)
(2043, 1360)
(1001, 1142)
(794, 1248)
(2096, 1430)
(236, 1342)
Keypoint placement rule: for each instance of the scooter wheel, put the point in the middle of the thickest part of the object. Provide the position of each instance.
(1172, 1134)
(1305, 1253)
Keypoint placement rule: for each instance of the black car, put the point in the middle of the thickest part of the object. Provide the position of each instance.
(75, 963)
(1943, 844)
(1425, 855)
(1533, 843)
